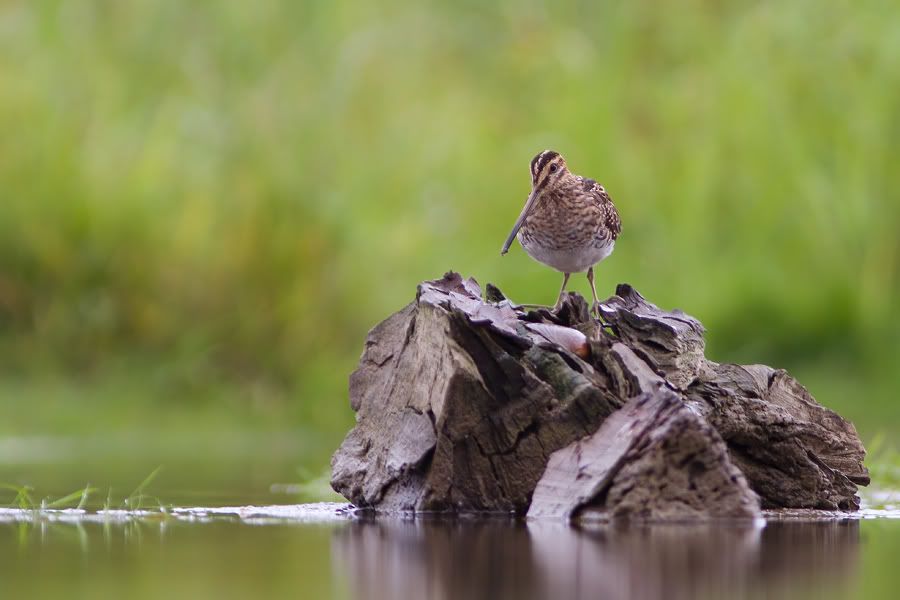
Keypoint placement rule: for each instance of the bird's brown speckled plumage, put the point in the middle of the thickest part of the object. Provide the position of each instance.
(569, 223)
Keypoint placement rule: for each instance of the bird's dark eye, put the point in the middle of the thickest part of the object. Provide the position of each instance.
(553, 168)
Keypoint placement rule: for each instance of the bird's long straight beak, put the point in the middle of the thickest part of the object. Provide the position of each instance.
(529, 206)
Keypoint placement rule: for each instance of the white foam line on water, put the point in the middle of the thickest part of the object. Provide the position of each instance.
(318, 512)
(314, 512)
(330, 512)
(73, 515)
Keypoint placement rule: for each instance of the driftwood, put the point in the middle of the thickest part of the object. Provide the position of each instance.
(461, 403)
(653, 459)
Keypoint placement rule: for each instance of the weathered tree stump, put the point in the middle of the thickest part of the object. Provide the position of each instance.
(461, 402)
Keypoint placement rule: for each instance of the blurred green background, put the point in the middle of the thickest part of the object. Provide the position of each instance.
(205, 206)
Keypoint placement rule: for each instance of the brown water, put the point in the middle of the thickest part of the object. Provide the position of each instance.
(320, 551)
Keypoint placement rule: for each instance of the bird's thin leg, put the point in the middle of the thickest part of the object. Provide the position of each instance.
(562, 290)
(595, 307)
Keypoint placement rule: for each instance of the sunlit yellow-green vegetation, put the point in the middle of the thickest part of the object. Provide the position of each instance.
(204, 206)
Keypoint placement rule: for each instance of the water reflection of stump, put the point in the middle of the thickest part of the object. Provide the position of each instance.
(822, 554)
(393, 559)
(499, 559)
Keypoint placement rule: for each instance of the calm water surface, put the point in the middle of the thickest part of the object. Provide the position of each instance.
(315, 551)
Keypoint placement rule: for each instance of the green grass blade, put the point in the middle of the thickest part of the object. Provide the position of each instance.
(85, 494)
(80, 495)
(138, 492)
(23, 497)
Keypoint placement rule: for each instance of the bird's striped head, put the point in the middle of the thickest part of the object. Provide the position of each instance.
(547, 169)
(547, 166)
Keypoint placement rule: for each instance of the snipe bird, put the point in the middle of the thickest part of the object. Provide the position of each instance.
(568, 223)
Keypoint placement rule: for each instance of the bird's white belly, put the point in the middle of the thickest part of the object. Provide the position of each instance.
(570, 260)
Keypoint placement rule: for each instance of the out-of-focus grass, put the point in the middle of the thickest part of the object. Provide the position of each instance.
(24, 499)
(226, 196)
(884, 464)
